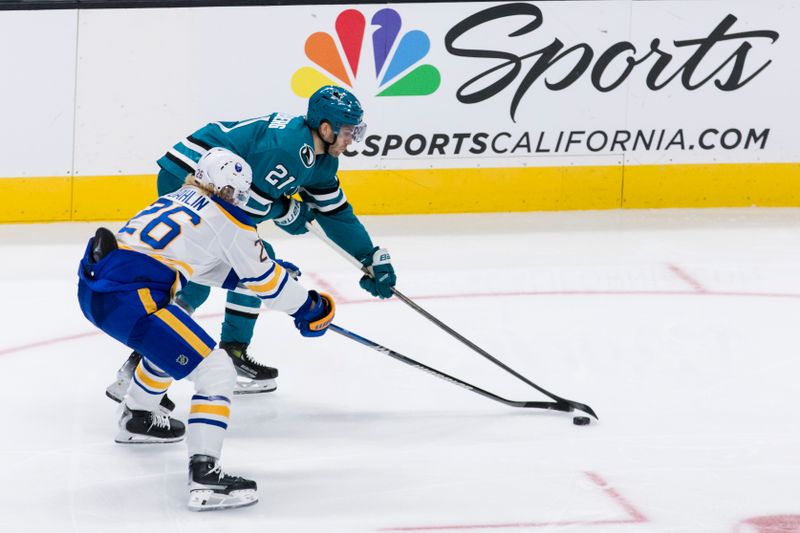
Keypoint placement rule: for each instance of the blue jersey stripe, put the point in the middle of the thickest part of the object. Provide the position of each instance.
(259, 278)
(217, 423)
(211, 398)
(150, 368)
(231, 281)
(234, 211)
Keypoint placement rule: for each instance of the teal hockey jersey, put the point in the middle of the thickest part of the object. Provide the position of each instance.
(280, 150)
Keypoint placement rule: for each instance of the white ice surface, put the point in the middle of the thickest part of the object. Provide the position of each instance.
(680, 328)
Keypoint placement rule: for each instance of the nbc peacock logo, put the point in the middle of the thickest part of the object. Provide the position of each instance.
(396, 62)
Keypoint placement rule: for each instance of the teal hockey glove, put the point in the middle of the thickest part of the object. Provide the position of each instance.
(294, 221)
(379, 263)
(315, 315)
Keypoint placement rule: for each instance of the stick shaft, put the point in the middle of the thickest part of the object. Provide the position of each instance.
(484, 353)
(316, 230)
(446, 377)
(319, 233)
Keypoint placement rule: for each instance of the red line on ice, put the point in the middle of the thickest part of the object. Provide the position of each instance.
(587, 293)
(56, 340)
(327, 287)
(635, 516)
(65, 338)
(46, 342)
(692, 282)
(521, 525)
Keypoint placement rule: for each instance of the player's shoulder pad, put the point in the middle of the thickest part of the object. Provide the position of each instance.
(234, 214)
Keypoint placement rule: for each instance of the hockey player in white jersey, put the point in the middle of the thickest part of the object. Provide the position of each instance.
(126, 287)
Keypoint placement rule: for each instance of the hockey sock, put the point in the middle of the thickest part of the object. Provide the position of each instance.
(193, 295)
(214, 380)
(208, 421)
(241, 312)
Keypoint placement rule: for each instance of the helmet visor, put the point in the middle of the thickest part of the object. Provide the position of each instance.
(356, 133)
(235, 196)
(240, 198)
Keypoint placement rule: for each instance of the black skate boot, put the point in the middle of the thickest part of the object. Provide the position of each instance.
(117, 390)
(253, 377)
(141, 427)
(211, 489)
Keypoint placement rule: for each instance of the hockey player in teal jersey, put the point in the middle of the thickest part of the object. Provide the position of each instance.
(288, 155)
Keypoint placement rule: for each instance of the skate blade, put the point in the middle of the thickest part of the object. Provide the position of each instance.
(116, 393)
(126, 437)
(111, 395)
(250, 386)
(208, 500)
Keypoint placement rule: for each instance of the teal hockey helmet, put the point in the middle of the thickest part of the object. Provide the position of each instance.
(337, 106)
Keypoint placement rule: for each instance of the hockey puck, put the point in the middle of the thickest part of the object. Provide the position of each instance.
(581, 420)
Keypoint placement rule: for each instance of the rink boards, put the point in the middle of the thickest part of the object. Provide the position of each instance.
(472, 107)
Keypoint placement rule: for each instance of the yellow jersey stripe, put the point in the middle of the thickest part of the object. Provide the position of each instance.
(221, 410)
(271, 284)
(150, 382)
(147, 301)
(181, 329)
(176, 285)
(172, 263)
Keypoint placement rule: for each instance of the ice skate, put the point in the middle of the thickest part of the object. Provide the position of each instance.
(252, 376)
(117, 390)
(145, 427)
(211, 489)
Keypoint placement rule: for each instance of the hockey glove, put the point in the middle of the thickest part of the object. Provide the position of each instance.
(290, 267)
(383, 277)
(315, 315)
(294, 221)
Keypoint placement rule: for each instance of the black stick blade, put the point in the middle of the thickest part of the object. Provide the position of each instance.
(550, 406)
(581, 407)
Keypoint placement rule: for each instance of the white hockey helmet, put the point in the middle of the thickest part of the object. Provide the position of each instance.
(228, 174)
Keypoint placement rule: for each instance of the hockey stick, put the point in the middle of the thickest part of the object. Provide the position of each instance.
(553, 406)
(316, 230)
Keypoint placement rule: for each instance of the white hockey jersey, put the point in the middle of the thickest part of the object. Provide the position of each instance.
(210, 242)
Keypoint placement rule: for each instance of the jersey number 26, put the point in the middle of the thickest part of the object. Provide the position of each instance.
(164, 236)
